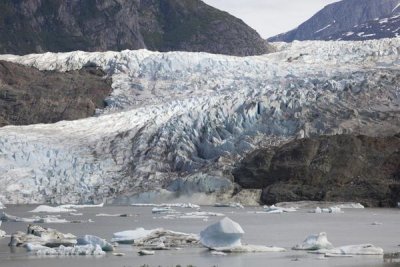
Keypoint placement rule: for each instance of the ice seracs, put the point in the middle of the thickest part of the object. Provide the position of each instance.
(315, 242)
(195, 114)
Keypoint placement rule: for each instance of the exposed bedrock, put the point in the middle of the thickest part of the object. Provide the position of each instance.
(327, 168)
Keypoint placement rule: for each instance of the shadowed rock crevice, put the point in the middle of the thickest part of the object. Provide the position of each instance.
(30, 96)
(327, 168)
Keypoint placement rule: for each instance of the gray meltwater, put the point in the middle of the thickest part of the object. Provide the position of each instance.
(354, 226)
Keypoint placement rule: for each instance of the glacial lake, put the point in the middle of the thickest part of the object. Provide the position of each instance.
(354, 226)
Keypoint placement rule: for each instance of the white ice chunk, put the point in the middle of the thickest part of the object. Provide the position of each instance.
(225, 233)
(315, 242)
(50, 209)
(2, 206)
(74, 206)
(146, 252)
(94, 240)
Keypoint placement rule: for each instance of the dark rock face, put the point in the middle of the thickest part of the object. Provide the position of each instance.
(35, 26)
(340, 17)
(327, 168)
(29, 96)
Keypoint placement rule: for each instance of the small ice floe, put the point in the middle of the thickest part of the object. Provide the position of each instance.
(376, 223)
(163, 210)
(334, 209)
(229, 205)
(314, 242)
(95, 241)
(85, 250)
(36, 219)
(38, 235)
(193, 215)
(129, 237)
(2, 206)
(363, 249)
(226, 235)
(146, 252)
(118, 254)
(50, 209)
(274, 209)
(175, 205)
(218, 253)
(113, 215)
(84, 206)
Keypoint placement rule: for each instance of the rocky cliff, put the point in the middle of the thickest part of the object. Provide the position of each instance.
(326, 168)
(29, 96)
(343, 17)
(34, 26)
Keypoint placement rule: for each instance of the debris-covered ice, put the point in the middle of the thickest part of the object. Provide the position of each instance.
(38, 235)
(315, 242)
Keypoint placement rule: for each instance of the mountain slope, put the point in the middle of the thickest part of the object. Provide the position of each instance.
(177, 123)
(379, 28)
(35, 26)
(339, 17)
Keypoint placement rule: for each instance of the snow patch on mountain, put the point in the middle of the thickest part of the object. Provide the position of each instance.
(176, 120)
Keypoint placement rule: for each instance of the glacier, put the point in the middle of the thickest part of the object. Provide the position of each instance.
(177, 122)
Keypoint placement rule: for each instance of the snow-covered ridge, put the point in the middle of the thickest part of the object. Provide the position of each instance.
(181, 120)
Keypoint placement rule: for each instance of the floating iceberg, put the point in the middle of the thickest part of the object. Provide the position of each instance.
(225, 236)
(129, 237)
(363, 249)
(75, 206)
(274, 209)
(2, 206)
(315, 242)
(193, 215)
(50, 209)
(334, 209)
(163, 210)
(229, 205)
(225, 233)
(146, 252)
(175, 205)
(38, 235)
(85, 250)
(165, 239)
(113, 215)
(95, 241)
